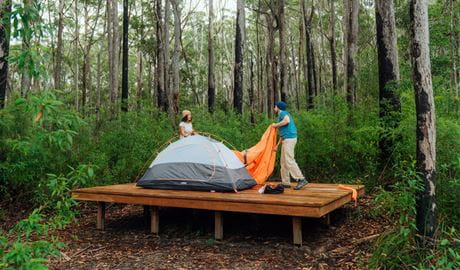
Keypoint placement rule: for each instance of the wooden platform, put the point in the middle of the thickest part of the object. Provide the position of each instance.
(315, 200)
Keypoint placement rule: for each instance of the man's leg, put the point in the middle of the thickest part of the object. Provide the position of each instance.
(285, 179)
(289, 149)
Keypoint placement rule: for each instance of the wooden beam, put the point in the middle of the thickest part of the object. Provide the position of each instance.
(101, 216)
(297, 230)
(326, 219)
(218, 226)
(154, 220)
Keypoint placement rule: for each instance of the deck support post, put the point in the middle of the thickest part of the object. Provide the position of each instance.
(326, 219)
(218, 226)
(146, 211)
(154, 220)
(297, 230)
(100, 216)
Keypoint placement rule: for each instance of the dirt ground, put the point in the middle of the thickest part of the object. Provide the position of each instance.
(186, 241)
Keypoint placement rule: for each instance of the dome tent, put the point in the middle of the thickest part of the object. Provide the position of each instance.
(197, 163)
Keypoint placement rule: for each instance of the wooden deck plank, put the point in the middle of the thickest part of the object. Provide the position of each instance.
(291, 197)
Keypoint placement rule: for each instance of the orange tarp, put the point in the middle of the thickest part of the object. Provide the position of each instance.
(260, 159)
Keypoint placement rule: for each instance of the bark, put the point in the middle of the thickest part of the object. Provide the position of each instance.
(175, 59)
(160, 69)
(211, 78)
(309, 66)
(25, 76)
(455, 40)
(98, 88)
(77, 40)
(167, 92)
(283, 54)
(332, 44)
(260, 95)
(114, 55)
(251, 90)
(140, 65)
(426, 218)
(390, 107)
(124, 70)
(270, 66)
(351, 50)
(110, 48)
(5, 9)
(239, 45)
(58, 61)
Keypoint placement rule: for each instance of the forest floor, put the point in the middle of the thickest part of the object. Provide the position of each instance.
(186, 241)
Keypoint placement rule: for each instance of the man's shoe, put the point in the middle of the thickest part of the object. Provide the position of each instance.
(302, 182)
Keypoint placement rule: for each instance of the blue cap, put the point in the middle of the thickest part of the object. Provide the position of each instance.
(281, 105)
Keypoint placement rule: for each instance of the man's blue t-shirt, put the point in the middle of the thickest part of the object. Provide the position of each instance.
(288, 131)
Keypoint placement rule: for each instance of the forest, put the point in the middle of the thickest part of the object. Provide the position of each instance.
(91, 91)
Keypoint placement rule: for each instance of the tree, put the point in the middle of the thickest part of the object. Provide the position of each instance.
(351, 10)
(57, 72)
(332, 45)
(176, 56)
(390, 107)
(112, 11)
(211, 77)
(239, 45)
(283, 54)
(425, 112)
(124, 69)
(167, 92)
(309, 65)
(76, 47)
(5, 9)
(160, 68)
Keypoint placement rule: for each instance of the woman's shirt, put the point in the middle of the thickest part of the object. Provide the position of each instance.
(188, 128)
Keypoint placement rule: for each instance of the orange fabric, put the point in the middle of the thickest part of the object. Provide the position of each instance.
(260, 159)
(354, 194)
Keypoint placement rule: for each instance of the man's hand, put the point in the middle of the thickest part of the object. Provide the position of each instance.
(275, 125)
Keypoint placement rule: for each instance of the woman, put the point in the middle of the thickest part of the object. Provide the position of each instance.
(185, 126)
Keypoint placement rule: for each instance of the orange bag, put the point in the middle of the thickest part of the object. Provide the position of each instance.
(260, 159)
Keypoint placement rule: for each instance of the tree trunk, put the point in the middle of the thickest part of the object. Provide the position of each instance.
(109, 4)
(333, 48)
(237, 83)
(113, 54)
(125, 63)
(455, 40)
(58, 60)
(251, 90)
(160, 69)
(390, 107)
(351, 50)
(5, 9)
(167, 90)
(283, 54)
(424, 105)
(25, 76)
(211, 78)
(270, 66)
(98, 88)
(77, 40)
(239, 45)
(175, 58)
(308, 68)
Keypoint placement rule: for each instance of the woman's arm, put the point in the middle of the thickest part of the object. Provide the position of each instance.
(182, 131)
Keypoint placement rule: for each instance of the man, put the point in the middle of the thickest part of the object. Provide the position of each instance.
(288, 133)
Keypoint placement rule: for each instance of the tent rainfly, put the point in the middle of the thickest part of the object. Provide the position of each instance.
(197, 163)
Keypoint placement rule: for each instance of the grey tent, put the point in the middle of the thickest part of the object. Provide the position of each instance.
(197, 163)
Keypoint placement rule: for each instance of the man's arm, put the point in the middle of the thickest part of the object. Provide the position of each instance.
(283, 122)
